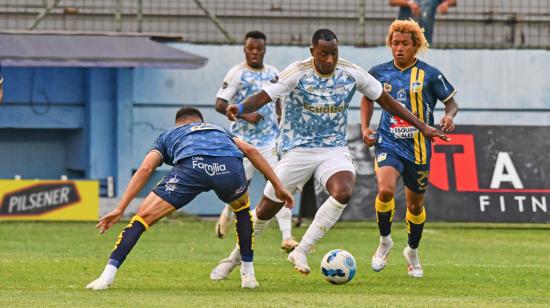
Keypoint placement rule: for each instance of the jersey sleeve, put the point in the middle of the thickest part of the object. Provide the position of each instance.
(441, 88)
(160, 147)
(282, 84)
(230, 83)
(366, 83)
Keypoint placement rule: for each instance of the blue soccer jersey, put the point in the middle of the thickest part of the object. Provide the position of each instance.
(241, 82)
(315, 108)
(195, 139)
(418, 88)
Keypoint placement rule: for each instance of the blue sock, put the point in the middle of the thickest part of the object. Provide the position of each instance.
(245, 234)
(126, 240)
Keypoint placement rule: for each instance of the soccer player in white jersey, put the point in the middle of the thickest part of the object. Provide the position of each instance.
(318, 91)
(258, 128)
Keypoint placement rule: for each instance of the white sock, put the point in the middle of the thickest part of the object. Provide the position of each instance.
(247, 268)
(327, 215)
(413, 256)
(386, 240)
(259, 225)
(284, 218)
(228, 211)
(109, 273)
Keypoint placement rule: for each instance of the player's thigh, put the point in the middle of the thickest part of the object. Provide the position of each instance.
(335, 161)
(294, 169)
(387, 167)
(415, 178)
(231, 184)
(153, 208)
(184, 182)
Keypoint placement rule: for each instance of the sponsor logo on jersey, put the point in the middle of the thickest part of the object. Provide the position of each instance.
(401, 129)
(387, 87)
(323, 108)
(224, 85)
(274, 79)
(416, 87)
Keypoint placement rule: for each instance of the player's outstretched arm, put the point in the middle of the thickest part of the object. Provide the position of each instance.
(263, 166)
(251, 104)
(392, 106)
(151, 161)
(221, 107)
(447, 121)
(367, 108)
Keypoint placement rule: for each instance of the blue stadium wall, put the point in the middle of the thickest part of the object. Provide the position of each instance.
(99, 122)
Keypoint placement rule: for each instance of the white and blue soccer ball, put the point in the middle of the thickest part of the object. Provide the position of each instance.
(338, 266)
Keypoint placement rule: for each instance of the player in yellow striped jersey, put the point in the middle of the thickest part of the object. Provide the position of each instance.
(401, 150)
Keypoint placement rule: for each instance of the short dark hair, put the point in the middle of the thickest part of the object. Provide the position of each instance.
(187, 112)
(255, 34)
(323, 34)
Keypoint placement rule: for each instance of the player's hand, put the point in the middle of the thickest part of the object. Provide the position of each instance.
(443, 8)
(231, 112)
(108, 220)
(369, 136)
(447, 124)
(285, 195)
(415, 8)
(432, 133)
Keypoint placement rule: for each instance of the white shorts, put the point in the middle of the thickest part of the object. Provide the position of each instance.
(269, 153)
(299, 164)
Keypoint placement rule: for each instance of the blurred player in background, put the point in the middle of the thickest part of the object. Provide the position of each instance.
(259, 128)
(400, 149)
(317, 94)
(205, 157)
(423, 11)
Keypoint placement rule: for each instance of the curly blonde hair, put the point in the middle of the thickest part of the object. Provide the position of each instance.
(409, 26)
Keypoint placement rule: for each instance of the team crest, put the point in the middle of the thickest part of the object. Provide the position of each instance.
(387, 87)
(381, 157)
(416, 87)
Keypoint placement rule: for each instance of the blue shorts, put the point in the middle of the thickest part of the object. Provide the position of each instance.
(415, 177)
(197, 174)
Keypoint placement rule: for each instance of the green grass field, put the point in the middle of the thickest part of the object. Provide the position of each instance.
(48, 264)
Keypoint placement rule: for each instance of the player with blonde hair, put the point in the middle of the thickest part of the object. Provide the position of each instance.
(400, 148)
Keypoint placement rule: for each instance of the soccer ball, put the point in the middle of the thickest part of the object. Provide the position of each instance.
(338, 266)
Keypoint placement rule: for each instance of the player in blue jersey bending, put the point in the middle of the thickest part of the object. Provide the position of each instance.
(205, 157)
(317, 94)
(258, 128)
(401, 150)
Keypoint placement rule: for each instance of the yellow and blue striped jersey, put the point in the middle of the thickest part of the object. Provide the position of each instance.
(418, 88)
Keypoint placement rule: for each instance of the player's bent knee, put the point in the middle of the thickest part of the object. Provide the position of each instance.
(385, 194)
(342, 195)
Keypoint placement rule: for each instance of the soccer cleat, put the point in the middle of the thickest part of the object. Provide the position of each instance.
(289, 244)
(380, 257)
(223, 224)
(415, 269)
(226, 266)
(98, 284)
(299, 260)
(249, 281)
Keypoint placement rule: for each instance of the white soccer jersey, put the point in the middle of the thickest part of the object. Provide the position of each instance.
(315, 110)
(241, 82)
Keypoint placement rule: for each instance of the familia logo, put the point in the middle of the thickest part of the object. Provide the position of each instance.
(210, 168)
(39, 199)
(455, 168)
